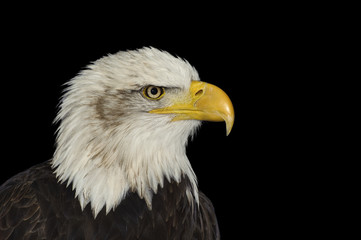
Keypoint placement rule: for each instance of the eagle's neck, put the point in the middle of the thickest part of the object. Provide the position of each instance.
(104, 165)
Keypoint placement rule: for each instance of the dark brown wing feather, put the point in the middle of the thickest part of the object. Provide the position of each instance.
(33, 205)
(207, 226)
(20, 213)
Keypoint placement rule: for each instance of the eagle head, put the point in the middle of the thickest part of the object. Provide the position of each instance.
(124, 123)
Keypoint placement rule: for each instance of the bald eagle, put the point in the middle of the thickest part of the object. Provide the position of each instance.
(120, 169)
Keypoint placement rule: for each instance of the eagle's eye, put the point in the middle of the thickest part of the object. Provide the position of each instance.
(153, 92)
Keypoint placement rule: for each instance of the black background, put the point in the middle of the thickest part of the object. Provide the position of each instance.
(255, 177)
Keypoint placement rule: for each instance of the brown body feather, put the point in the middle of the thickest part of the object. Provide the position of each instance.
(33, 205)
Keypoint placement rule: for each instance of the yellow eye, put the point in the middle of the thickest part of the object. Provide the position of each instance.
(153, 92)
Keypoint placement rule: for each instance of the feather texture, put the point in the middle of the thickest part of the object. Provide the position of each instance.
(35, 206)
(106, 136)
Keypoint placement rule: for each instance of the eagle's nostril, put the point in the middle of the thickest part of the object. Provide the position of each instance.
(199, 93)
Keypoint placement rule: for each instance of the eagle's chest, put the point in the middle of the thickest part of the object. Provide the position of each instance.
(172, 215)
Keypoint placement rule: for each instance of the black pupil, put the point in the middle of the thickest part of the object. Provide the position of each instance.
(154, 91)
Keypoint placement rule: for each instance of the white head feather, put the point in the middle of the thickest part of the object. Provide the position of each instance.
(108, 143)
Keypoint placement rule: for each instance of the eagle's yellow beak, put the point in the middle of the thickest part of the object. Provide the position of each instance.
(204, 102)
